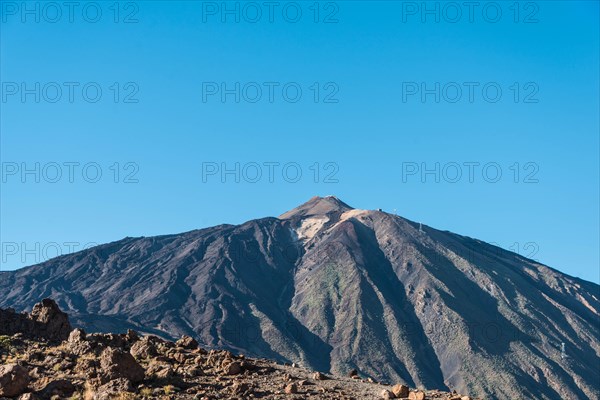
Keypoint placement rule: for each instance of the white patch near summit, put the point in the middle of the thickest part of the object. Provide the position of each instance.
(310, 226)
(353, 213)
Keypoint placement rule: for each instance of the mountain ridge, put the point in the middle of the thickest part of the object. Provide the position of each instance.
(338, 288)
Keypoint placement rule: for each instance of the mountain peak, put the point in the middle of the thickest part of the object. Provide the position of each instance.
(317, 206)
(320, 278)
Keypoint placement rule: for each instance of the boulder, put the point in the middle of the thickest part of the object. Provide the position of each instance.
(233, 368)
(144, 348)
(400, 391)
(187, 342)
(318, 376)
(45, 321)
(13, 380)
(157, 370)
(77, 335)
(55, 322)
(77, 342)
(387, 395)
(116, 363)
(416, 395)
(291, 388)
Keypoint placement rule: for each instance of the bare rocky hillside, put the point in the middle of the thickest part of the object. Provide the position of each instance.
(332, 289)
(36, 364)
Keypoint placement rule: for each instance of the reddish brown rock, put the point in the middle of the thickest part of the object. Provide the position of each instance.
(233, 368)
(187, 342)
(416, 395)
(400, 390)
(291, 388)
(116, 363)
(55, 323)
(144, 348)
(170, 371)
(13, 380)
(386, 394)
(318, 376)
(46, 321)
(76, 335)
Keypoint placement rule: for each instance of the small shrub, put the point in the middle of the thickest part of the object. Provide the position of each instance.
(5, 342)
(169, 389)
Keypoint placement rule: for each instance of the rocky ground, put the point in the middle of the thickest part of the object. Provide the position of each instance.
(41, 357)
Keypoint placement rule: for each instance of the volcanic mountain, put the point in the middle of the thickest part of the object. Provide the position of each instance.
(334, 288)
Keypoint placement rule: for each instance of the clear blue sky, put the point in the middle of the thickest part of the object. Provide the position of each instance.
(368, 131)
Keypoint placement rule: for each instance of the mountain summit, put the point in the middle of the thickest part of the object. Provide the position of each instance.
(335, 288)
(317, 206)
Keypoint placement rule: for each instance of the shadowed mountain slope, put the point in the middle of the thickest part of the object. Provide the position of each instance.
(336, 288)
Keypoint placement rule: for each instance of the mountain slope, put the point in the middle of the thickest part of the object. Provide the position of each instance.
(336, 288)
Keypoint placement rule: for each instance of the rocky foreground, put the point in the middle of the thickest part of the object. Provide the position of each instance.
(41, 357)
